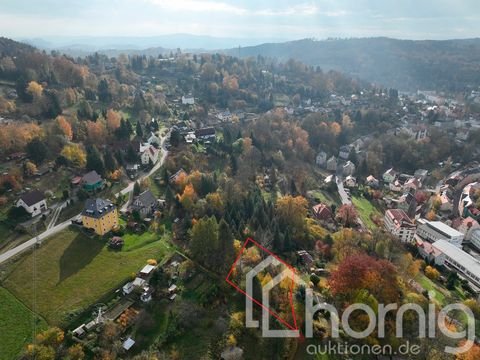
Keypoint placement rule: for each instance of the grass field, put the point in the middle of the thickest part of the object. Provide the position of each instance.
(73, 271)
(16, 325)
(438, 293)
(324, 197)
(365, 211)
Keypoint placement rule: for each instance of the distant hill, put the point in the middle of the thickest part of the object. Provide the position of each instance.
(403, 64)
(10, 47)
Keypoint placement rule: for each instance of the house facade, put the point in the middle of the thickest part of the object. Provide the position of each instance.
(332, 164)
(33, 202)
(389, 176)
(149, 153)
(398, 224)
(145, 204)
(348, 169)
(321, 158)
(100, 215)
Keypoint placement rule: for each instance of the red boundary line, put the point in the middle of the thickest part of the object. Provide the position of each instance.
(295, 327)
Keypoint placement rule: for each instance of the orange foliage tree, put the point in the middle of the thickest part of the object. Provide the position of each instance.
(64, 127)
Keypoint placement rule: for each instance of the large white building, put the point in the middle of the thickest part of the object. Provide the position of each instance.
(475, 238)
(458, 260)
(398, 223)
(436, 230)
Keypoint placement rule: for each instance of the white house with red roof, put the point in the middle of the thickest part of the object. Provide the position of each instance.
(149, 153)
(398, 223)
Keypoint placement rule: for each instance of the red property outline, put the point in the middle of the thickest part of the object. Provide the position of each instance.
(294, 327)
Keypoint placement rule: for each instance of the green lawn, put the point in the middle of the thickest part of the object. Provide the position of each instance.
(438, 293)
(16, 325)
(365, 210)
(324, 197)
(73, 271)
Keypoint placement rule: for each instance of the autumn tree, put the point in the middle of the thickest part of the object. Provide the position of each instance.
(113, 120)
(30, 168)
(35, 90)
(347, 215)
(15, 137)
(432, 273)
(291, 212)
(188, 197)
(96, 132)
(362, 272)
(75, 154)
(64, 127)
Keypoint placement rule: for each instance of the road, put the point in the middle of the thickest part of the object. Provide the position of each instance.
(59, 227)
(341, 191)
(346, 199)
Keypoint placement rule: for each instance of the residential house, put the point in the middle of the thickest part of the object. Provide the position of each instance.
(321, 159)
(205, 134)
(426, 250)
(329, 179)
(322, 212)
(332, 164)
(188, 100)
(132, 170)
(396, 186)
(408, 203)
(421, 174)
(372, 181)
(466, 226)
(348, 169)
(33, 202)
(446, 204)
(154, 140)
(344, 152)
(100, 215)
(145, 204)
(173, 178)
(389, 176)
(412, 184)
(190, 137)
(398, 223)
(91, 181)
(350, 181)
(149, 154)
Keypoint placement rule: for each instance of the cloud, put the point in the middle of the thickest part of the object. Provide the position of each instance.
(198, 6)
(302, 9)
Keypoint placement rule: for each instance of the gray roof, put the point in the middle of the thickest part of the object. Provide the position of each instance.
(91, 177)
(146, 199)
(443, 229)
(32, 197)
(97, 208)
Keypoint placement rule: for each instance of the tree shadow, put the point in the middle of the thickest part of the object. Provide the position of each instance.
(81, 251)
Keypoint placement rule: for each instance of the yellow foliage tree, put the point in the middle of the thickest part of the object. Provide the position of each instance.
(432, 273)
(75, 154)
(35, 89)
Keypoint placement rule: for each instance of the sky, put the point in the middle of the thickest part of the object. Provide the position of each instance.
(280, 19)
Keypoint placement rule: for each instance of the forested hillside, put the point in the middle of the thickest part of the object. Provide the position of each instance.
(403, 64)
